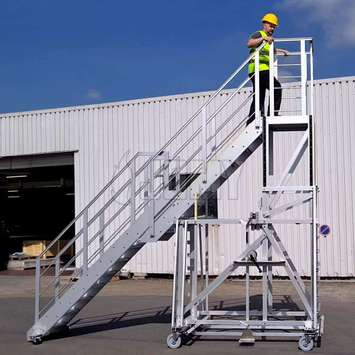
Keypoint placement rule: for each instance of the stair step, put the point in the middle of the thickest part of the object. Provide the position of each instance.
(260, 263)
(247, 338)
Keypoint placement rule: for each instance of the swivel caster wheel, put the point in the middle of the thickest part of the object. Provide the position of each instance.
(306, 343)
(174, 341)
(36, 340)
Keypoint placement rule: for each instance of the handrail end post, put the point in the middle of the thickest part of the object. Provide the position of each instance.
(37, 287)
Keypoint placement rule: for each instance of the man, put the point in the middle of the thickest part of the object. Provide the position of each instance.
(270, 22)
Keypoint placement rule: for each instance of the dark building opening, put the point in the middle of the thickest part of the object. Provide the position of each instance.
(36, 204)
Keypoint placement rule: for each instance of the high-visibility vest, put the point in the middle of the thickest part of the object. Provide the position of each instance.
(264, 59)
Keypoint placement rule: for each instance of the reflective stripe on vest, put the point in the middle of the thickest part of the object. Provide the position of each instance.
(264, 59)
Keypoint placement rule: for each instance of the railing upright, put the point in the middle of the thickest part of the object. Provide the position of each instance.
(133, 190)
(151, 197)
(102, 233)
(257, 85)
(37, 288)
(303, 77)
(85, 240)
(204, 142)
(271, 79)
(56, 278)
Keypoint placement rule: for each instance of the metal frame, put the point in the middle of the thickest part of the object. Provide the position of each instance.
(191, 314)
(196, 318)
(138, 206)
(142, 207)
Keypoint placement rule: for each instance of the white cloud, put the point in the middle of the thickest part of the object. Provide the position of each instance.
(93, 94)
(336, 18)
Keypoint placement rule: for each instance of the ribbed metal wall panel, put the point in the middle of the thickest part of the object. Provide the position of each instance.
(104, 137)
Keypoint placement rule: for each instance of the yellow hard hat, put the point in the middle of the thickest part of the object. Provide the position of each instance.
(271, 18)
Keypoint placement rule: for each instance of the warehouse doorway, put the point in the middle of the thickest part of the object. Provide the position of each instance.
(37, 202)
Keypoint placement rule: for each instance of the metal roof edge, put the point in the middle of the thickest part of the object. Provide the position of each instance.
(147, 100)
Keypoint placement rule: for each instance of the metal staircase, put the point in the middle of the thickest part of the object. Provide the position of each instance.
(151, 195)
(141, 203)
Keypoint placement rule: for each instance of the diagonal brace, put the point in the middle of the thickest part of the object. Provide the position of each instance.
(290, 268)
(226, 272)
(291, 166)
(287, 206)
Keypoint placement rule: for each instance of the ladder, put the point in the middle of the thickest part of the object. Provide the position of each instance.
(142, 202)
(281, 203)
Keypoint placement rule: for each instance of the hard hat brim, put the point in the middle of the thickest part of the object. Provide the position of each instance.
(271, 23)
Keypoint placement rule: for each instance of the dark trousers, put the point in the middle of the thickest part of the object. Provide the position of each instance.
(264, 84)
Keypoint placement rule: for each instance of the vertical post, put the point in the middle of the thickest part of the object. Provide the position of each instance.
(176, 275)
(102, 233)
(193, 268)
(183, 273)
(177, 174)
(311, 77)
(206, 265)
(37, 287)
(247, 279)
(268, 159)
(56, 278)
(133, 190)
(303, 77)
(151, 197)
(264, 152)
(146, 183)
(196, 196)
(314, 231)
(269, 277)
(179, 276)
(200, 252)
(257, 85)
(312, 140)
(204, 143)
(85, 240)
(214, 132)
(270, 151)
(165, 171)
(271, 78)
(314, 260)
(265, 285)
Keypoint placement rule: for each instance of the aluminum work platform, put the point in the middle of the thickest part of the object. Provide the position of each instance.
(279, 198)
(153, 198)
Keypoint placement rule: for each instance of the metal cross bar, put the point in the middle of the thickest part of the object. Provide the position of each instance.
(287, 206)
(291, 166)
(290, 268)
(223, 275)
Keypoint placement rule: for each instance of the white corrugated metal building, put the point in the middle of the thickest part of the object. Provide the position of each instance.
(103, 137)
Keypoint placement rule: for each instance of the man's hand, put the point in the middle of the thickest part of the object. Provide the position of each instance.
(269, 39)
(284, 52)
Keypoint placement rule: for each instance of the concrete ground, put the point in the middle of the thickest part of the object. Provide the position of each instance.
(133, 317)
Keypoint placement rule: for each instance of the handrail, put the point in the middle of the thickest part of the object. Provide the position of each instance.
(226, 82)
(127, 184)
(293, 39)
(87, 207)
(215, 94)
(195, 134)
(206, 130)
(159, 190)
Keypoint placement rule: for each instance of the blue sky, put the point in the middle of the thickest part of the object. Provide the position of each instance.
(72, 52)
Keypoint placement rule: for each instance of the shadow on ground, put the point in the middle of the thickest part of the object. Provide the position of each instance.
(161, 315)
